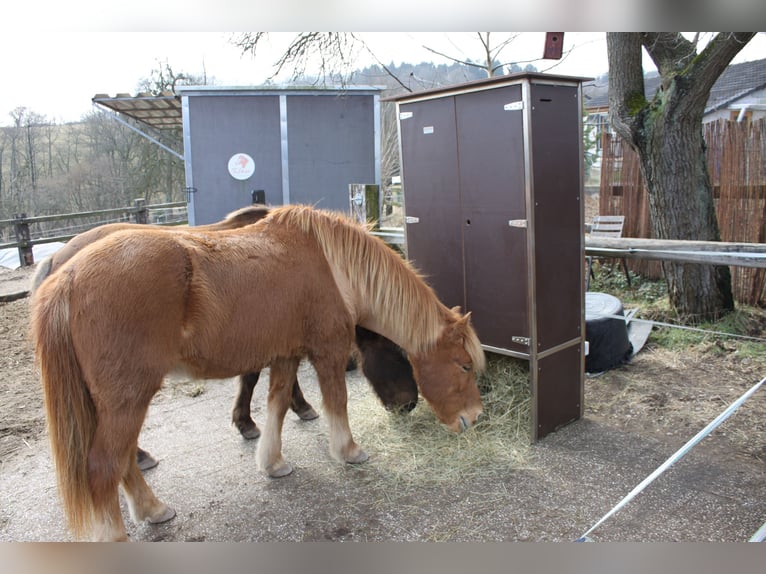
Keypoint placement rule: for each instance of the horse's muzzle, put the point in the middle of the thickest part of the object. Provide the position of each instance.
(465, 421)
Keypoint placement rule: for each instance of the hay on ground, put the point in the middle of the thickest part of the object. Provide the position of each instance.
(415, 447)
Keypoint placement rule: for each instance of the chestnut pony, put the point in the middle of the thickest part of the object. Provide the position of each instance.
(383, 363)
(129, 309)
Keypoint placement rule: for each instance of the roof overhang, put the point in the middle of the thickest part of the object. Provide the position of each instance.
(158, 112)
(157, 118)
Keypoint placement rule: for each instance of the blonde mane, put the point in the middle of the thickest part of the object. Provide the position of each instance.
(396, 293)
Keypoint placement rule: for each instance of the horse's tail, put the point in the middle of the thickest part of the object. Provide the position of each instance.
(68, 404)
(41, 273)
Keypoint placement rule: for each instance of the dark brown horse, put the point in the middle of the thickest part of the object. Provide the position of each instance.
(125, 311)
(383, 363)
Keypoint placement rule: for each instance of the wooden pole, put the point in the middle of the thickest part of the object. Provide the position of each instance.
(21, 226)
(702, 252)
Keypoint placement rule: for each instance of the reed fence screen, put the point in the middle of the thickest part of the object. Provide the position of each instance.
(736, 157)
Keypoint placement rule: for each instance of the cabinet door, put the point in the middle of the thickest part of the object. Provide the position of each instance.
(491, 162)
(431, 195)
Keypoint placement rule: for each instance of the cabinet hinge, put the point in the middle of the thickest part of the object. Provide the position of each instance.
(521, 340)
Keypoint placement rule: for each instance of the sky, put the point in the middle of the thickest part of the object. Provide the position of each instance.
(56, 73)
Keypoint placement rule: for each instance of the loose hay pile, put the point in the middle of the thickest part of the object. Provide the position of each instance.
(415, 447)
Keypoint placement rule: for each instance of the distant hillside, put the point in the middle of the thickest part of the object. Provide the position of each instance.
(423, 76)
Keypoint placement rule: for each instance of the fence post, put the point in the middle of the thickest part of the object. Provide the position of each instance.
(141, 214)
(21, 226)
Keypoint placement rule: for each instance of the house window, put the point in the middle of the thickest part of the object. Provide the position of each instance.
(734, 115)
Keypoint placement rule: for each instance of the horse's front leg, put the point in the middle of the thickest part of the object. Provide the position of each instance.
(269, 453)
(332, 382)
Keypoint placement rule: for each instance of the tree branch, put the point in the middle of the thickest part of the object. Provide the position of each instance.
(626, 83)
(385, 68)
(716, 56)
(670, 51)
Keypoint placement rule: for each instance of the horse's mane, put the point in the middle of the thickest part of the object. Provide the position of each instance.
(235, 219)
(393, 288)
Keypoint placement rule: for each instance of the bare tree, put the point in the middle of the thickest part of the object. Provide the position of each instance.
(666, 132)
(491, 62)
(333, 55)
(329, 55)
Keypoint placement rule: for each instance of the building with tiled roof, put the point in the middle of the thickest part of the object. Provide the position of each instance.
(738, 95)
(740, 92)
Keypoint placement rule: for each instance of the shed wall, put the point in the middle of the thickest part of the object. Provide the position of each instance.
(220, 127)
(307, 148)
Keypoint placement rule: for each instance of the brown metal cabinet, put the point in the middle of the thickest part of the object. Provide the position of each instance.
(492, 179)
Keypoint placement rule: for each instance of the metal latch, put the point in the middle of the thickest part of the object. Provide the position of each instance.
(518, 223)
(513, 106)
(411, 219)
(521, 340)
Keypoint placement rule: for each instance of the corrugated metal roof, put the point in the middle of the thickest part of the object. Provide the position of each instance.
(164, 111)
(160, 112)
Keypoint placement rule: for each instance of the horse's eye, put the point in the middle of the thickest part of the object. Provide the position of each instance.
(466, 368)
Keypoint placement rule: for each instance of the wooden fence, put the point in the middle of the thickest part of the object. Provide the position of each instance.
(736, 155)
(29, 231)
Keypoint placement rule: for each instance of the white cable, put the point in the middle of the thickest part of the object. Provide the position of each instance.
(680, 453)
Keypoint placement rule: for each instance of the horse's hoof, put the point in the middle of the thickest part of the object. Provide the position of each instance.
(248, 431)
(145, 460)
(279, 470)
(307, 414)
(168, 514)
(358, 458)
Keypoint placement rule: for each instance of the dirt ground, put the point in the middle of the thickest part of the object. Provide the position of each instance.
(657, 402)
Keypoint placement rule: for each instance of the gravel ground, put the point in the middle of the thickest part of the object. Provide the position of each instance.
(570, 479)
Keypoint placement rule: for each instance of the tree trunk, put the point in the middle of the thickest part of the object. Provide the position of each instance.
(667, 134)
(674, 167)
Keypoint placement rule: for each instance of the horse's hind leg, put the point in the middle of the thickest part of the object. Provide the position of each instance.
(108, 455)
(145, 460)
(241, 416)
(112, 451)
(142, 503)
(299, 405)
(269, 453)
(111, 460)
(332, 382)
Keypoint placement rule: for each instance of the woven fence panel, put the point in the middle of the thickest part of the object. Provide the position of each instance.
(736, 156)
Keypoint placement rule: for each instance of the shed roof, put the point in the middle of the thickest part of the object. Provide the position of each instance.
(164, 111)
(494, 81)
(159, 112)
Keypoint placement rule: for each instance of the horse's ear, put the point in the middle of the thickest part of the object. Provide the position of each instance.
(460, 327)
(456, 309)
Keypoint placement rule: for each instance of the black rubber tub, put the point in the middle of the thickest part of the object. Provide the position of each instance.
(607, 335)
